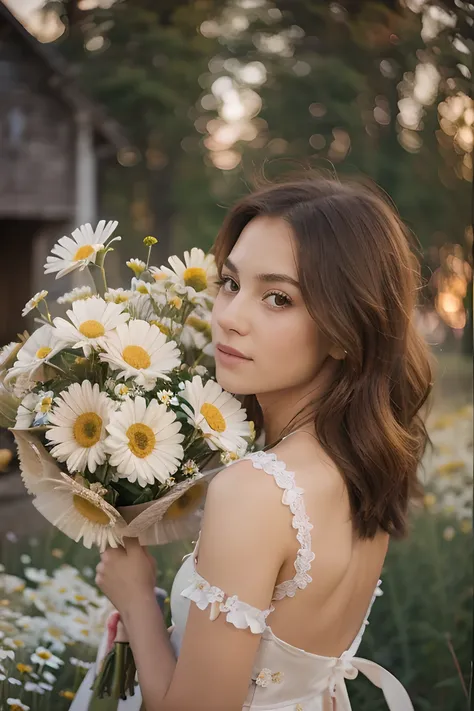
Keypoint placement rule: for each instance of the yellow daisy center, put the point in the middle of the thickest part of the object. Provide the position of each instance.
(55, 632)
(199, 324)
(44, 654)
(83, 252)
(186, 503)
(164, 329)
(195, 277)
(141, 440)
(46, 403)
(43, 352)
(87, 429)
(92, 329)
(90, 511)
(24, 668)
(15, 707)
(450, 467)
(213, 417)
(69, 695)
(137, 357)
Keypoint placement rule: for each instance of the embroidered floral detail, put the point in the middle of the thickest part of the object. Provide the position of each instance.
(267, 677)
(343, 669)
(242, 615)
(292, 497)
(202, 593)
(299, 707)
(264, 678)
(239, 613)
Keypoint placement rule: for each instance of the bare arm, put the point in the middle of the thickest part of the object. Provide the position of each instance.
(240, 553)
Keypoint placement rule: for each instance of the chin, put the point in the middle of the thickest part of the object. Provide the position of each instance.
(232, 383)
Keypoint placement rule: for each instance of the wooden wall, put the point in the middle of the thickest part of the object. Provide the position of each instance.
(37, 137)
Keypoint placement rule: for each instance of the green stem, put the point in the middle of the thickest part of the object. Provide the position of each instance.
(48, 315)
(119, 670)
(99, 263)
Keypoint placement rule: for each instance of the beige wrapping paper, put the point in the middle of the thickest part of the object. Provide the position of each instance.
(175, 516)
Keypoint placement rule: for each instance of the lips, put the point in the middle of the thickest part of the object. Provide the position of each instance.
(231, 351)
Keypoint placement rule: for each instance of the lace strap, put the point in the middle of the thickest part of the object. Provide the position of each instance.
(292, 497)
(239, 613)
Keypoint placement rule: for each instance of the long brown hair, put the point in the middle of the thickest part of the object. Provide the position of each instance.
(359, 278)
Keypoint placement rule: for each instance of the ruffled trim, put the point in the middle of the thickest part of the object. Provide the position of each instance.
(292, 497)
(239, 613)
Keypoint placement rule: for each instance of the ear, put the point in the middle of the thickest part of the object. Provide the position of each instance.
(337, 353)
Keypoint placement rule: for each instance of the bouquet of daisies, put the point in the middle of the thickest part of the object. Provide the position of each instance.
(115, 415)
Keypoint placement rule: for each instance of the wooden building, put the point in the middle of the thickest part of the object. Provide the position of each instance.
(54, 141)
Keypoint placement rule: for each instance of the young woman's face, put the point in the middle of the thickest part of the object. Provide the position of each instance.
(260, 313)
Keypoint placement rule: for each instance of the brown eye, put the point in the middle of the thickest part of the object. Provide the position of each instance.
(280, 300)
(228, 284)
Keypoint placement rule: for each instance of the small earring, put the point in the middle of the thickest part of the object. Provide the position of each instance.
(345, 351)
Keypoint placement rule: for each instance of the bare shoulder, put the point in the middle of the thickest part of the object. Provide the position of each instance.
(246, 499)
(311, 465)
(244, 482)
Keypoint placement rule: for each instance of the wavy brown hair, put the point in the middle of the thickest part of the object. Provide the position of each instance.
(360, 278)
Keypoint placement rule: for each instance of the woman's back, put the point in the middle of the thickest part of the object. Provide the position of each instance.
(326, 615)
(323, 595)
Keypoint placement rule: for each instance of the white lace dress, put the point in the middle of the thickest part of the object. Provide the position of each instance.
(284, 677)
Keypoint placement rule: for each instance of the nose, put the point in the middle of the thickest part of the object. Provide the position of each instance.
(234, 314)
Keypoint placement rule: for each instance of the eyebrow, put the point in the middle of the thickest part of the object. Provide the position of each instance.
(270, 277)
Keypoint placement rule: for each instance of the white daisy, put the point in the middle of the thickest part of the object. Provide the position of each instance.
(43, 407)
(136, 265)
(8, 354)
(78, 293)
(158, 275)
(165, 396)
(33, 409)
(122, 391)
(92, 320)
(42, 345)
(26, 411)
(142, 287)
(80, 513)
(79, 418)
(139, 350)
(34, 301)
(17, 705)
(118, 296)
(217, 414)
(44, 657)
(142, 306)
(197, 331)
(197, 274)
(145, 441)
(79, 250)
(168, 326)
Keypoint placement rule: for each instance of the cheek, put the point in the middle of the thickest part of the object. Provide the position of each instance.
(216, 309)
(294, 340)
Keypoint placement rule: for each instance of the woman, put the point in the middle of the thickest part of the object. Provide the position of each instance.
(313, 323)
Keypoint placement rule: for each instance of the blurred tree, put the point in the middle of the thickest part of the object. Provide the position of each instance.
(142, 61)
(378, 88)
